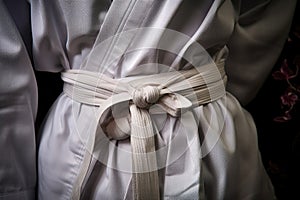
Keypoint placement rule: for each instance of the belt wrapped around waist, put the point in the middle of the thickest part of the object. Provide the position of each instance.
(174, 92)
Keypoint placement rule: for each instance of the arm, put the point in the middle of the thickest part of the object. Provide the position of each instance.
(18, 106)
(259, 35)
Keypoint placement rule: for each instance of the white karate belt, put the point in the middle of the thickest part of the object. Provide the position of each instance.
(175, 92)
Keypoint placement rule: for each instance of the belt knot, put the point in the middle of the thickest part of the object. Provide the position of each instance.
(146, 96)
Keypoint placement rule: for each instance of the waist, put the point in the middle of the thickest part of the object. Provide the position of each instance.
(200, 85)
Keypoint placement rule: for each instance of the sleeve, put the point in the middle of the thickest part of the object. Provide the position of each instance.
(257, 40)
(18, 107)
(49, 33)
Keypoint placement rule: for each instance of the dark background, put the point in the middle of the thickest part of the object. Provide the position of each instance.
(279, 142)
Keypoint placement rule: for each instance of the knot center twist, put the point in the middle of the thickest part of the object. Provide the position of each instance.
(146, 96)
